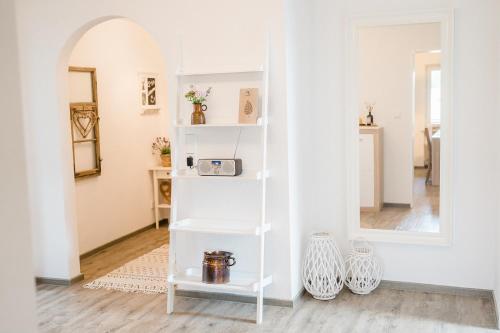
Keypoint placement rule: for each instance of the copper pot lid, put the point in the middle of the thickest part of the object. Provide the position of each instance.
(218, 254)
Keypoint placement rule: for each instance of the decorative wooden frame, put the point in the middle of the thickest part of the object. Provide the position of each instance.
(89, 112)
(445, 235)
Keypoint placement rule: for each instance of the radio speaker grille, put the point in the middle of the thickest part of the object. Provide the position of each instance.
(204, 167)
(228, 167)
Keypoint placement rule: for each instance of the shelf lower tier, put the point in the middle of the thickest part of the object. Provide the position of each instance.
(246, 175)
(240, 281)
(219, 226)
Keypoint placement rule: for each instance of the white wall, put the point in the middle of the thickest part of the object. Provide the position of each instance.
(422, 61)
(17, 287)
(299, 20)
(497, 263)
(386, 65)
(231, 34)
(470, 261)
(118, 201)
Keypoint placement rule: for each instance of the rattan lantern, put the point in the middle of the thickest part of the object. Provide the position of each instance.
(323, 271)
(363, 271)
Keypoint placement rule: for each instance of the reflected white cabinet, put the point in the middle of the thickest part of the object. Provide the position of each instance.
(371, 168)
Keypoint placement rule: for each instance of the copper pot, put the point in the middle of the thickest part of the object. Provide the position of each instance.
(216, 266)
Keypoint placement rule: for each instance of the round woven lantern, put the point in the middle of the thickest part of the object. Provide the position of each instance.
(363, 271)
(323, 272)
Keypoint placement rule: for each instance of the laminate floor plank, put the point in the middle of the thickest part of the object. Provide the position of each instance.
(422, 217)
(76, 309)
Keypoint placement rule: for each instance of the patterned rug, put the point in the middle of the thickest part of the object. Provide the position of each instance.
(146, 274)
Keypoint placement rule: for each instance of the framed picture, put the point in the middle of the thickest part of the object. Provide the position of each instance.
(148, 84)
(249, 111)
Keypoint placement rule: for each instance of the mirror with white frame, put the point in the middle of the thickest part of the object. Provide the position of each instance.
(398, 100)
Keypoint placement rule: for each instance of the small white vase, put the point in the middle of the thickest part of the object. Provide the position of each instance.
(323, 271)
(363, 271)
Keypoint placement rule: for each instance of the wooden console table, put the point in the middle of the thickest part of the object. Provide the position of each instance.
(371, 168)
(159, 174)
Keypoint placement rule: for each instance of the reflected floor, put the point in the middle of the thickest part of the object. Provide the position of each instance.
(423, 217)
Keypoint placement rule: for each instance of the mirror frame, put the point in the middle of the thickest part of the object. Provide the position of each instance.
(444, 236)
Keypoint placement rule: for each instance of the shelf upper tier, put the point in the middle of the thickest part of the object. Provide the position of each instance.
(219, 226)
(222, 72)
(239, 281)
(246, 175)
(258, 124)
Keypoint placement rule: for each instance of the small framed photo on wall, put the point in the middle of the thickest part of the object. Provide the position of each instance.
(148, 85)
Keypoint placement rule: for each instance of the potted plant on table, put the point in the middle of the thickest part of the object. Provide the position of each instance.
(197, 97)
(161, 146)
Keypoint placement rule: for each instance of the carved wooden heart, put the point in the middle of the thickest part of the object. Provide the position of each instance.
(84, 121)
(165, 188)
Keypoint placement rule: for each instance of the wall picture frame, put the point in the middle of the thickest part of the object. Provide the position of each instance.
(148, 92)
(249, 107)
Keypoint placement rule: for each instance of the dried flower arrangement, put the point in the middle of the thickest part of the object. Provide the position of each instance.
(197, 96)
(369, 106)
(161, 146)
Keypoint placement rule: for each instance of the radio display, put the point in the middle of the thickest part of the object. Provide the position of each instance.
(216, 163)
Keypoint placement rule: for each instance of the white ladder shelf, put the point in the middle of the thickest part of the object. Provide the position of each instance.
(246, 282)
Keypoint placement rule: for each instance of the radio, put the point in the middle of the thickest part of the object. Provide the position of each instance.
(220, 167)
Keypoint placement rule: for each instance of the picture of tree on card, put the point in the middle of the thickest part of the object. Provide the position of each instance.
(249, 105)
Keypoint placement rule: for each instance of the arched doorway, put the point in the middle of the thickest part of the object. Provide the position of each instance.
(116, 201)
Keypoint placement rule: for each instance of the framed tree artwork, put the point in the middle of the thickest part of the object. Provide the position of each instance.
(148, 84)
(249, 110)
(84, 117)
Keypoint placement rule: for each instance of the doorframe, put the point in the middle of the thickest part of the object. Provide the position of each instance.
(63, 98)
(445, 235)
(428, 69)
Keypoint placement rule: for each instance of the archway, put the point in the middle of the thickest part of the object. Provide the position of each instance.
(117, 201)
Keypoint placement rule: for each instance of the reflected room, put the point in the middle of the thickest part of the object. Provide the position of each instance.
(399, 98)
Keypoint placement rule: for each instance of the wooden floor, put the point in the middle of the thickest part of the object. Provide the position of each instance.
(75, 309)
(423, 217)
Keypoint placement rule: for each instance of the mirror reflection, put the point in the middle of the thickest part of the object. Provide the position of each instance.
(399, 97)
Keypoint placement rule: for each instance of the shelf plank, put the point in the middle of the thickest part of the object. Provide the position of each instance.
(219, 226)
(217, 125)
(246, 175)
(160, 168)
(163, 206)
(222, 72)
(239, 281)
(258, 124)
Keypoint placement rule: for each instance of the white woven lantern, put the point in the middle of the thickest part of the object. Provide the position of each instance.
(363, 271)
(323, 272)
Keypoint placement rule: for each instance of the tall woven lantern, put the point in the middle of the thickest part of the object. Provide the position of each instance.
(363, 271)
(323, 272)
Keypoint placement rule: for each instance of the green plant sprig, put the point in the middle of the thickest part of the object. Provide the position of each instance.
(161, 146)
(197, 96)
